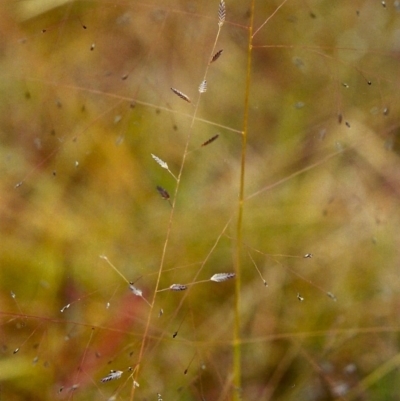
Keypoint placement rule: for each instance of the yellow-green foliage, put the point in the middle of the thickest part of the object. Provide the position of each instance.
(284, 170)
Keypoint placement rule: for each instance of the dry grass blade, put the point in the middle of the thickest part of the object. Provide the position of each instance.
(220, 277)
(208, 141)
(203, 87)
(113, 375)
(221, 13)
(181, 95)
(216, 56)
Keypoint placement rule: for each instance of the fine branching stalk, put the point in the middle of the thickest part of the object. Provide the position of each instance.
(221, 20)
(237, 371)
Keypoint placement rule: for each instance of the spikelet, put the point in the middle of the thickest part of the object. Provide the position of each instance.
(162, 163)
(210, 140)
(203, 87)
(181, 95)
(220, 277)
(178, 287)
(113, 375)
(221, 13)
(64, 308)
(216, 56)
(135, 291)
(332, 296)
(164, 194)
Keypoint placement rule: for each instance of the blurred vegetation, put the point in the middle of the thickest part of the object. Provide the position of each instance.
(85, 101)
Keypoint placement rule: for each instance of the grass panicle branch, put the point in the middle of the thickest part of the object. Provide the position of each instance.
(221, 16)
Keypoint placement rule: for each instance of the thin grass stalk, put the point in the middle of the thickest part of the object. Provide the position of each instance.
(166, 242)
(237, 354)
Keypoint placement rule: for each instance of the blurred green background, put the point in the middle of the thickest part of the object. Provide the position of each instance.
(85, 100)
